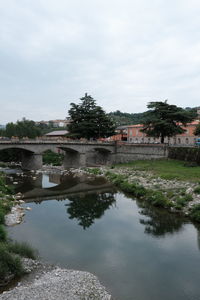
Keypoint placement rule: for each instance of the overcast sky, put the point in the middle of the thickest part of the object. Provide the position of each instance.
(124, 53)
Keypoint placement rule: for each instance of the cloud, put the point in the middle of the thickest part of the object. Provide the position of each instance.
(124, 53)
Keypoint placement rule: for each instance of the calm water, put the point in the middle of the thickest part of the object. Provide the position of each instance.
(138, 253)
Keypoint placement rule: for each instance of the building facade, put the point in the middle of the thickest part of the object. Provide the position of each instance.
(134, 135)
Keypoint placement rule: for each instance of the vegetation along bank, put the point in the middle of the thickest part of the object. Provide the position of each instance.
(169, 184)
(11, 253)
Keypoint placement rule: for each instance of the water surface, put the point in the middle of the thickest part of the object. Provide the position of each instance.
(138, 252)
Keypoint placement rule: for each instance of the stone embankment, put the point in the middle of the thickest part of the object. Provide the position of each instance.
(47, 282)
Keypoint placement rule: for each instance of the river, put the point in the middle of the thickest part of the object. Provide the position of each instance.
(137, 252)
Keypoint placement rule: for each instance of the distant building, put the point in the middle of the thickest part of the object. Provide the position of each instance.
(59, 134)
(134, 135)
(55, 123)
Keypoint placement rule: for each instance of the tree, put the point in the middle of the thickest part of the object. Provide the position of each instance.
(165, 120)
(197, 129)
(24, 128)
(89, 120)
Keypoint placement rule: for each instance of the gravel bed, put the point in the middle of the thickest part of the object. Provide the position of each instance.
(47, 282)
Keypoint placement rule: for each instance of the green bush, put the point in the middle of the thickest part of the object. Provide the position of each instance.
(197, 190)
(157, 198)
(94, 171)
(23, 249)
(182, 201)
(195, 213)
(3, 234)
(4, 189)
(2, 216)
(9, 265)
(50, 157)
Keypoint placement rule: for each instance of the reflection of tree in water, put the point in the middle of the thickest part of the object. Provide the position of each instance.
(89, 207)
(197, 226)
(159, 221)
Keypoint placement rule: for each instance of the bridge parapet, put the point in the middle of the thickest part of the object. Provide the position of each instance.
(81, 153)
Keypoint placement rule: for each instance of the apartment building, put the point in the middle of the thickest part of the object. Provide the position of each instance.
(134, 135)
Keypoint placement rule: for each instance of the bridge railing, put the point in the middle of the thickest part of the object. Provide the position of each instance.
(51, 141)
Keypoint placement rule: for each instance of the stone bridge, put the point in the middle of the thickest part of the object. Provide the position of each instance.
(80, 154)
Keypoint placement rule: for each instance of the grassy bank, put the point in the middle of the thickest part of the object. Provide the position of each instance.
(10, 252)
(170, 184)
(167, 169)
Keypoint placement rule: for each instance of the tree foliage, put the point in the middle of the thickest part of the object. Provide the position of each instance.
(89, 120)
(165, 120)
(123, 118)
(23, 128)
(197, 129)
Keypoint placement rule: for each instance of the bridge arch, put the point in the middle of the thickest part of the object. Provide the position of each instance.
(28, 158)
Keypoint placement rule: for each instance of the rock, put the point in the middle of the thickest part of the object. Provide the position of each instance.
(28, 208)
(189, 191)
(21, 201)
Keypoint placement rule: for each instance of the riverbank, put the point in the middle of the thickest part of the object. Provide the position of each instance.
(50, 282)
(39, 280)
(169, 184)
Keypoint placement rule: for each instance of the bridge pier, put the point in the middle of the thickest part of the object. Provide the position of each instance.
(74, 160)
(31, 161)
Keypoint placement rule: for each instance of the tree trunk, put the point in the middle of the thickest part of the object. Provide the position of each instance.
(162, 139)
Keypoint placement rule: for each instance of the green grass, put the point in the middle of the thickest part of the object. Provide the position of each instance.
(156, 198)
(166, 169)
(23, 249)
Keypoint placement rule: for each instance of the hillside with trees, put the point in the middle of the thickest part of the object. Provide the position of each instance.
(123, 118)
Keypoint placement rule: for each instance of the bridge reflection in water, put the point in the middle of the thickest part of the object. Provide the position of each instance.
(66, 186)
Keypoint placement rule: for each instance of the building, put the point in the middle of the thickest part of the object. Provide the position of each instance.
(134, 135)
(58, 134)
(55, 123)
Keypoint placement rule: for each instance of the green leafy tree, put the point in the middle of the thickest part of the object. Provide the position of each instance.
(89, 120)
(165, 120)
(23, 128)
(197, 129)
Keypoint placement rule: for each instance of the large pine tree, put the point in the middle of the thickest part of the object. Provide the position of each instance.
(89, 120)
(165, 120)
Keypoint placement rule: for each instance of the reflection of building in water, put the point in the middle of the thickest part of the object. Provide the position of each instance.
(55, 178)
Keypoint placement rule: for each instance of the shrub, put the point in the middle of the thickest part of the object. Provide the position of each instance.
(23, 249)
(182, 201)
(95, 171)
(2, 216)
(50, 157)
(3, 234)
(188, 197)
(197, 190)
(9, 265)
(157, 198)
(195, 213)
